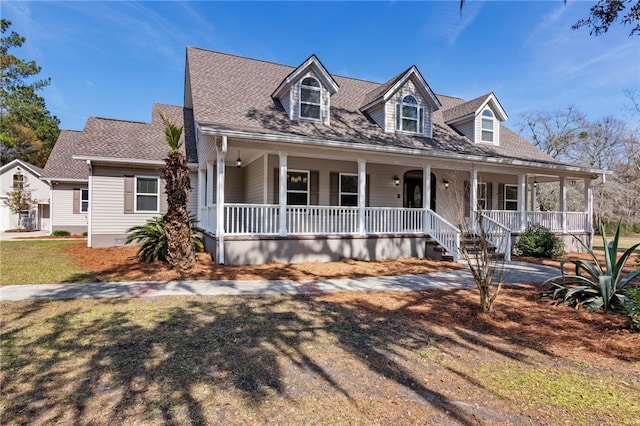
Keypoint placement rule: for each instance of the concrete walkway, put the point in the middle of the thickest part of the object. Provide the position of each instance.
(516, 273)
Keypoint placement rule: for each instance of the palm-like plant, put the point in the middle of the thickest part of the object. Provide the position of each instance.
(180, 253)
(153, 240)
(594, 284)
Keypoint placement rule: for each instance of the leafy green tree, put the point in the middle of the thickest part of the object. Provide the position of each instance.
(28, 131)
(19, 200)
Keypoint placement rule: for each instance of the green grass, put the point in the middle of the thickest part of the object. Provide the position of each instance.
(39, 262)
(624, 242)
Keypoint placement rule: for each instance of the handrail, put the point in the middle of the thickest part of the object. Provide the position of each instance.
(498, 235)
(445, 233)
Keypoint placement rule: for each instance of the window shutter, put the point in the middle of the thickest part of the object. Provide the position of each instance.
(367, 199)
(76, 200)
(334, 189)
(276, 186)
(467, 198)
(489, 205)
(163, 198)
(129, 183)
(314, 177)
(398, 117)
(421, 120)
(501, 205)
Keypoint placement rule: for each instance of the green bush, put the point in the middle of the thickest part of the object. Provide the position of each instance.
(538, 241)
(61, 233)
(153, 241)
(632, 306)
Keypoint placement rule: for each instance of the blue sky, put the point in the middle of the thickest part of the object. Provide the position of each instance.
(114, 59)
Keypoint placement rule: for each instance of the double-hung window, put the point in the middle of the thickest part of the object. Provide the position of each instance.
(511, 197)
(410, 116)
(84, 200)
(147, 194)
(310, 96)
(487, 126)
(18, 181)
(348, 190)
(297, 188)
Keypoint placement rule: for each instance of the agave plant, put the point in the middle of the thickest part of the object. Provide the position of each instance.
(153, 239)
(594, 284)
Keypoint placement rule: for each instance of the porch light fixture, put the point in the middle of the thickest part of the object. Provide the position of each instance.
(445, 183)
(396, 180)
(238, 161)
(535, 183)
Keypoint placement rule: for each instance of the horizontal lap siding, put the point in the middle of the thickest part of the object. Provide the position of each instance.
(254, 181)
(62, 206)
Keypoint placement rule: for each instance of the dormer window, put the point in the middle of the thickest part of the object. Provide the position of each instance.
(487, 126)
(409, 116)
(310, 98)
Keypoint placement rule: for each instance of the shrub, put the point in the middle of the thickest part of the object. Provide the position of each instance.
(632, 306)
(595, 285)
(538, 241)
(61, 233)
(153, 241)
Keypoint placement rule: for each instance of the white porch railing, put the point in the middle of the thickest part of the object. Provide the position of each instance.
(243, 219)
(498, 235)
(575, 221)
(321, 220)
(393, 220)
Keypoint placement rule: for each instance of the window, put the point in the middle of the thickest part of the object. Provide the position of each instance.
(510, 197)
(310, 98)
(487, 126)
(348, 190)
(482, 196)
(297, 188)
(147, 194)
(84, 200)
(410, 117)
(18, 181)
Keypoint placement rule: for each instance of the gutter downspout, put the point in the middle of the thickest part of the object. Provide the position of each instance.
(89, 209)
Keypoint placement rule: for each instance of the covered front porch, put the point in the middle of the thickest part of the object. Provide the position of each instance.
(304, 204)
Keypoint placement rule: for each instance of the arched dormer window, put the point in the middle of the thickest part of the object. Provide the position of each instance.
(410, 116)
(488, 126)
(310, 97)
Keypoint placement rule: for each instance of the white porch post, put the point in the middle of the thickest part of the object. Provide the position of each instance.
(220, 155)
(282, 191)
(362, 188)
(563, 201)
(426, 197)
(473, 198)
(588, 201)
(534, 197)
(522, 200)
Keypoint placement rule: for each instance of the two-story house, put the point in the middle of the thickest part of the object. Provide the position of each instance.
(296, 164)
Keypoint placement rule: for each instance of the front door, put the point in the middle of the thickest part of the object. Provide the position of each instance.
(413, 190)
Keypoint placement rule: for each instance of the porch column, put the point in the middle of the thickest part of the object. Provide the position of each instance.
(426, 197)
(362, 199)
(534, 196)
(522, 200)
(588, 201)
(473, 198)
(220, 155)
(563, 201)
(282, 191)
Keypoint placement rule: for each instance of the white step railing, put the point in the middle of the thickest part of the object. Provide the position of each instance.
(498, 235)
(445, 233)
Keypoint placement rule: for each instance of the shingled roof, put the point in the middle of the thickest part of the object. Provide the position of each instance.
(113, 139)
(233, 93)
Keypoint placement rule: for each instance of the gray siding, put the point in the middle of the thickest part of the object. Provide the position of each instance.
(254, 182)
(378, 115)
(62, 215)
(467, 128)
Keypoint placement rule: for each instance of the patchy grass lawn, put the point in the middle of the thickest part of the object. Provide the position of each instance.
(40, 262)
(347, 359)
(624, 242)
